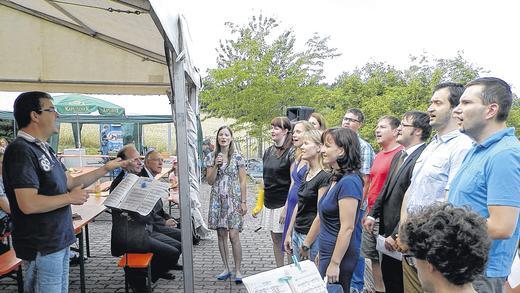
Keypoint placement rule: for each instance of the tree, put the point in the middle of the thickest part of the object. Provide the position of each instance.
(6, 129)
(380, 89)
(260, 73)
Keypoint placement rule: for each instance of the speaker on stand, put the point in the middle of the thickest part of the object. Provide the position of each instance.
(298, 113)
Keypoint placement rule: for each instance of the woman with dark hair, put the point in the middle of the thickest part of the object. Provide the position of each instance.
(227, 205)
(277, 161)
(338, 209)
(318, 121)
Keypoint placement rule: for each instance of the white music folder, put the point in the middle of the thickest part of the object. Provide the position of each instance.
(304, 278)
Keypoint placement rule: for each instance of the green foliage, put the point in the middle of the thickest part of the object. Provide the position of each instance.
(260, 73)
(380, 89)
(6, 129)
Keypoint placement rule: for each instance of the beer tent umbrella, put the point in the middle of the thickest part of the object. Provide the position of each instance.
(76, 104)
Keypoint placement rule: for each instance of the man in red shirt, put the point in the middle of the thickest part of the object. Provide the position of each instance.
(386, 135)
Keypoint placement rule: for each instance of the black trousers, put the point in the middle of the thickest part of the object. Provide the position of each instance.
(172, 232)
(392, 270)
(166, 251)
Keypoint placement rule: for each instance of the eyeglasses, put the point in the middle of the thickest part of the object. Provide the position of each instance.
(347, 119)
(410, 259)
(50, 110)
(158, 159)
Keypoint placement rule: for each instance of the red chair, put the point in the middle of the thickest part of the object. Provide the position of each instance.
(137, 261)
(10, 266)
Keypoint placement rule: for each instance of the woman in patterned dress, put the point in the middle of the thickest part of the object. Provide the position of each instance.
(227, 205)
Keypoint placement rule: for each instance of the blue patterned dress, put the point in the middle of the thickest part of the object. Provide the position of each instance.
(225, 199)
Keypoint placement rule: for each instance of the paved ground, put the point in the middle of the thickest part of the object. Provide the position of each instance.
(103, 275)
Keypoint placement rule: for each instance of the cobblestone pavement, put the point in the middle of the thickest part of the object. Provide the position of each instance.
(103, 275)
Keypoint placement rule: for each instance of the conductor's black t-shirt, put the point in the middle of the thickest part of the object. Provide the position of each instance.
(27, 165)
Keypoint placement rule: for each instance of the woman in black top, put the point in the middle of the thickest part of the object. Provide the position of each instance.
(313, 186)
(277, 162)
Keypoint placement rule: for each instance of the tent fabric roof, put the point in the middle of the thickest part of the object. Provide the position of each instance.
(89, 46)
(96, 119)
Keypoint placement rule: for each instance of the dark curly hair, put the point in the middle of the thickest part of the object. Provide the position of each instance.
(347, 139)
(454, 240)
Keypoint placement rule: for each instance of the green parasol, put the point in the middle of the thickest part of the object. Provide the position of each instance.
(81, 104)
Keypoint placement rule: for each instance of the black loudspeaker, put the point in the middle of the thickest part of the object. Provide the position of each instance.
(298, 113)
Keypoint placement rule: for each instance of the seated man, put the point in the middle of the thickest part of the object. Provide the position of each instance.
(449, 247)
(165, 247)
(161, 221)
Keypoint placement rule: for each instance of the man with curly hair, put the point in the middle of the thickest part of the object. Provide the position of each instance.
(449, 246)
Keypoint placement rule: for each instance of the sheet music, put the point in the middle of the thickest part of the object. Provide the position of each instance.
(144, 195)
(287, 279)
(380, 246)
(119, 193)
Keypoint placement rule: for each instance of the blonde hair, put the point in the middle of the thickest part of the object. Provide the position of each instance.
(321, 120)
(315, 137)
(308, 127)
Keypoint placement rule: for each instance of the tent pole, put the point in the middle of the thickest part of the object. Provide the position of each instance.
(178, 81)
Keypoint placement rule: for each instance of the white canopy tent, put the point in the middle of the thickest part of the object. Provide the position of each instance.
(137, 47)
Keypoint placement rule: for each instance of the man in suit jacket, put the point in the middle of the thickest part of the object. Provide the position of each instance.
(166, 249)
(161, 221)
(412, 134)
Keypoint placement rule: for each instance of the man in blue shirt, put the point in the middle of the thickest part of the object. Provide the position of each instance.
(489, 177)
(40, 193)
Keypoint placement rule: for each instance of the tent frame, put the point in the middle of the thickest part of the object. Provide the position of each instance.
(184, 82)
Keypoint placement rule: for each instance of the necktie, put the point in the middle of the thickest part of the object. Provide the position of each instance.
(402, 157)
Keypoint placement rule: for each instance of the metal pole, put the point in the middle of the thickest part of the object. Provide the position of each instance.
(179, 108)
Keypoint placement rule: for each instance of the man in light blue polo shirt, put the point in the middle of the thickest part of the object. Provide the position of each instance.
(489, 177)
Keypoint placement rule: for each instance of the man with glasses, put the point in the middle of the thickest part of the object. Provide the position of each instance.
(353, 120)
(490, 180)
(449, 258)
(166, 249)
(161, 221)
(438, 163)
(414, 130)
(40, 193)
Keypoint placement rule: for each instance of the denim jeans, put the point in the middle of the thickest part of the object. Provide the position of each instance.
(358, 282)
(297, 241)
(48, 273)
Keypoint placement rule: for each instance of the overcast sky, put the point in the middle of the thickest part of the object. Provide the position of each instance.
(375, 30)
(364, 30)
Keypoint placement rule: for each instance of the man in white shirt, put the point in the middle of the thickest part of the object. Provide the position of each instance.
(438, 163)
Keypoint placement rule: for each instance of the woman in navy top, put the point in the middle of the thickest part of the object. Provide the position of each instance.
(339, 207)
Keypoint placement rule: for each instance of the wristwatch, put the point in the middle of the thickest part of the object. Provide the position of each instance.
(305, 247)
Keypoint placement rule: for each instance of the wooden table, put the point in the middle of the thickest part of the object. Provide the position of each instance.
(82, 170)
(88, 212)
